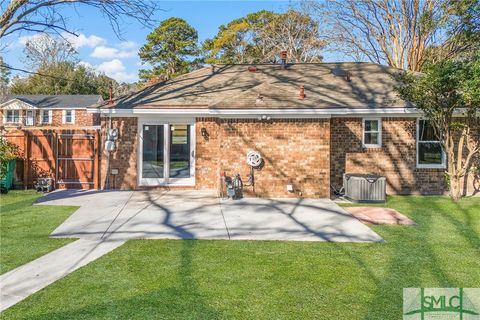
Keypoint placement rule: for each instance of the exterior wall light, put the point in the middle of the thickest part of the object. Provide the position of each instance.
(204, 133)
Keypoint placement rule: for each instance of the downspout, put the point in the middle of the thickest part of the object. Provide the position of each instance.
(108, 152)
(110, 103)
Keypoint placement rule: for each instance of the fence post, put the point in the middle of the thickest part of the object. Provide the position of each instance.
(96, 170)
(55, 157)
(26, 162)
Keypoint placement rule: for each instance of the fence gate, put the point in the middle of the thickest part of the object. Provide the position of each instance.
(71, 157)
(76, 161)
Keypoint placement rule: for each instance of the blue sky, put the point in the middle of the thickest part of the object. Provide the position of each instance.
(99, 47)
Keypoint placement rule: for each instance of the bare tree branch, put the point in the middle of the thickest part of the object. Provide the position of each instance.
(2, 65)
(46, 16)
(44, 50)
(394, 32)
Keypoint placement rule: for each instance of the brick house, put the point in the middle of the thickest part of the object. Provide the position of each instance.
(56, 138)
(310, 122)
(65, 111)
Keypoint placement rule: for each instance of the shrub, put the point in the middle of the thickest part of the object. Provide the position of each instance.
(8, 151)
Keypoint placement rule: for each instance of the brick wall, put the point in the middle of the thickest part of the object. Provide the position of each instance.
(308, 153)
(207, 164)
(396, 159)
(124, 158)
(295, 151)
(82, 119)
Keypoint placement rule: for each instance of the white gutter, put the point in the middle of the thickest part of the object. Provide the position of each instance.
(148, 111)
(171, 111)
(326, 113)
(303, 111)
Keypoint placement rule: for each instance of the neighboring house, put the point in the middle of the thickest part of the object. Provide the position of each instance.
(310, 122)
(64, 111)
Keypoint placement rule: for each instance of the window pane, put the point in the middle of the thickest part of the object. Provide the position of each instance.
(179, 151)
(45, 117)
(429, 153)
(371, 138)
(13, 115)
(153, 151)
(426, 131)
(371, 125)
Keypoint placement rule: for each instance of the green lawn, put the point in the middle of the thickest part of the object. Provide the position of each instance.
(156, 279)
(24, 228)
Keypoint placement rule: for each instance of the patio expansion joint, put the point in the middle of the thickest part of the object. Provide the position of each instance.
(223, 218)
(117, 215)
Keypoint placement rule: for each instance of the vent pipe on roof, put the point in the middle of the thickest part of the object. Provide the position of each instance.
(302, 93)
(212, 68)
(348, 77)
(110, 94)
(283, 57)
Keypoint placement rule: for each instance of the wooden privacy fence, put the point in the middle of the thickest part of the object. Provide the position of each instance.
(70, 157)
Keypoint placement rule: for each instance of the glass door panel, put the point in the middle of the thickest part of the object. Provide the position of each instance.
(30, 118)
(179, 148)
(153, 159)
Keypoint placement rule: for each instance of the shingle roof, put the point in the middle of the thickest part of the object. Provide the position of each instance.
(74, 101)
(234, 86)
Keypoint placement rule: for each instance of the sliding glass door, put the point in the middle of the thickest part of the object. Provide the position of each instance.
(167, 154)
(179, 150)
(153, 152)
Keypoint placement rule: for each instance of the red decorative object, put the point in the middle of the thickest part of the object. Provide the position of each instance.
(302, 92)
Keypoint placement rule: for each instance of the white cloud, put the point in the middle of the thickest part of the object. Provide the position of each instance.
(116, 70)
(128, 45)
(114, 65)
(76, 42)
(83, 40)
(24, 39)
(103, 52)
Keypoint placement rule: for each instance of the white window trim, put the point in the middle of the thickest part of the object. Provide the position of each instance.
(443, 165)
(64, 117)
(369, 145)
(50, 114)
(5, 116)
(166, 122)
(33, 111)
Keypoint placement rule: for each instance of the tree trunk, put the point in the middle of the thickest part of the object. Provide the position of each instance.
(455, 187)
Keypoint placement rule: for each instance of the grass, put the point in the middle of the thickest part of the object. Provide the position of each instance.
(149, 279)
(24, 228)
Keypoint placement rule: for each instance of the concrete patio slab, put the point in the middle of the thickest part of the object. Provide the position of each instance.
(200, 214)
(175, 214)
(293, 220)
(150, 214)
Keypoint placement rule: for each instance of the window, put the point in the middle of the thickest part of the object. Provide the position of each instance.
(68, 116)
(46, 116)
(372, 133)
(13, 116)
(429, 148)
(30, 118)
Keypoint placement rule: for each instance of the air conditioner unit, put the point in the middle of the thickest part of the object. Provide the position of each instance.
(364, 187)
